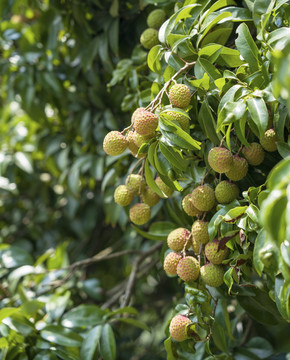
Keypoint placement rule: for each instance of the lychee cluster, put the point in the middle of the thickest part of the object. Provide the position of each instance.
(149, 37)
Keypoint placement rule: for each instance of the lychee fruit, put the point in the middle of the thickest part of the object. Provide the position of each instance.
(135, 113)
(254, 154)
(199, 231)
(163, 187)
(238, 169)
(149, 38)
(123, 195)
(214, 255)
(145, 122)
(140, 213)
(179, 95)
(178, 327)
(170, 263)
(226, 192)
(268, 140)
(203, 198)
(188, 269)
(220, 159)
(131, 144)
(178, 238)
(156, 18)
(180, 118)
(114, 143)
(136, 182)
(188, 206)
(149, 197)
(212, 275)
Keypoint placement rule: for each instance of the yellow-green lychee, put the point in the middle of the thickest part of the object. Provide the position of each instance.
(136, 182)
(188, 206)
(149, 196)
(114, 143)
(188, 268)
(178, 328)
(132, 145)
(145, 122)
(199, 231)
(167, 191)
(179, 95)
(212, 275)
(156, 18)
(123, 195)
(178, 239)
(135, 113)
(170, 263)
(254, 154)
(226, 192)
(180, 118)
(220, 159)
(203, 198)
(269, 140)
(149, 38)
(238, 169)
(214, 255)
(140, 213)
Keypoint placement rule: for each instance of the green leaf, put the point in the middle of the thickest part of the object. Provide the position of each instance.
(280, 175)
(282, 296)
(259, 245)
(260, 347)
(259, 113)
(13, 256)
(150, 180)
(247, 47)
(83, 315)
(91, 343)
(124, 310)
(204, 66)
(8, 311)
(208, 123)
(149, 235)
(137, 323)
(108, 343)
(173, 156)
(231, 112)
(153, 59)
(24, 162)
(58, 335)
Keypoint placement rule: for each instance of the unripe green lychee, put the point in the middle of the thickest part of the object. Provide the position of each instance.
(268, 140)
(156, 18)
(138, 139)
(170, 263)
(135, 113)
(140, 213)
(254, 154)
(203, 198)
(149, 38)
(220, 159)
(149, 197)
(178, 238)
(131, 144)
(214, 255)
(178, 327)
(226, 192)
(212, 275)
(238, 169)
(188, 269)
(180, 118)
(188, 206)
(163, 187)
(123, 195)
(145, 122)
(179, 95)
(114, 143)
(136, 182)
(199, 231)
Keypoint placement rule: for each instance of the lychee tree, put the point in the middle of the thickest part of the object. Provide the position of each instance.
(215, 149)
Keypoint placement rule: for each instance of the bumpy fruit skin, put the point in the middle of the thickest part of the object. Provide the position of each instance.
(188, 269)
(136, 182)
(179, 95)
(226, 192)
(178, 238)
(149, 197)
(199, 231)
(238, 170)
(212, 275)
(178, 327)
(254, 154)
(149, 38)
(163, 187)
(268, 140)
(123, 195)
(188, 206)
(203, 198)
(170, 263)
(156, 18)
(214, 255)
(140, 213)
(131, 144)
(145, 122)
(114, 143)
(220, 159)
(181, 119)
(135, 113)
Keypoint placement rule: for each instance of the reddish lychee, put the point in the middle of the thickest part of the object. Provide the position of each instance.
(188, 269)
(145, 122)
(170, 263)
(220, 159)
(214, 255)
(178, 327)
